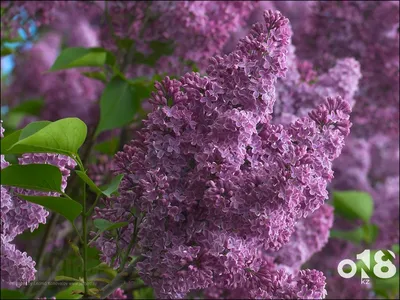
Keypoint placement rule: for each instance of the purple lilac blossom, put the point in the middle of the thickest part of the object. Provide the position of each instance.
(17, 268)
(219, 183)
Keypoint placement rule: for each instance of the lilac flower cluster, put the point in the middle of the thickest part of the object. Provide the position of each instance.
(18, 215)
(219, 183)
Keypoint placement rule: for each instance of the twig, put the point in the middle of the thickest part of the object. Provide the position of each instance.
(130, 246)
(120, 279)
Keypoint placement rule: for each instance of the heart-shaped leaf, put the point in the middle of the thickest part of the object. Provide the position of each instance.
(64, 136)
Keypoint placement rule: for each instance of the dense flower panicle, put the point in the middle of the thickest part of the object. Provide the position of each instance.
(277, 284)
(17, 268)
(22, 215)
(218, 182)
(310, 235)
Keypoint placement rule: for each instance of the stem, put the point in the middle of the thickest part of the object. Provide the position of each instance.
(133, 241)
(40, 256)
(120, 279)
(93, 206)
(77, 232)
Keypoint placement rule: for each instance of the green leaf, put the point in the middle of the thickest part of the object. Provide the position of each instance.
(108, 191)
(42, 177)
(12, 122)
(109, 147)
(117, 105)
(82, 57)
(356, 236)
(9, 140)
(32, 128)
(30, 107)
(143, 293)
(66, 278)
(396, 249)
(388, 288)
(113, 186)
(96, 75)
(371, 232)
(27, 235)
(353, 205)
(64, 136)
(68, 208)
(141, 90)
(104, 225)
(89, 182)
(11, 294)
(366, 233)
